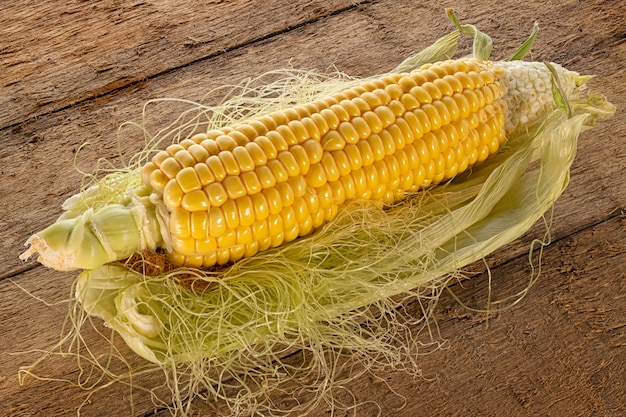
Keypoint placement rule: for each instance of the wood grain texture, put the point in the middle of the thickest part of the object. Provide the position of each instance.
(71, 73)
(55, 54)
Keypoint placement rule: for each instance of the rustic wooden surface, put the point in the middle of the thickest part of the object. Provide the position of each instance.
(71, 72)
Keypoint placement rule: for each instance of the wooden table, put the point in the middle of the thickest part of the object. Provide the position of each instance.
(72, 72)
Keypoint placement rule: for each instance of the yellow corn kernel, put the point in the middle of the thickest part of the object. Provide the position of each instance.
(245, 210)
(298, 185)
(279, 143)
(260, 233)
(412, 156)
(396, 107)
(299, 131)
(262, 182)
(393, 166)
(421, 124)
(350, 108)
(383, 113)
(172, 194)
(347, 182)
(316, 177)
(198, 152)
(331, 118)
(382, 170)
(251, 182)
(377, 146)
(266, 177)
(361, 104)
(388, 142)
(402, 160)
(231, 214)
(410, 101)
(433, 92)
(172, 149)
(354, 155)
(289, 162)
(311, 129)
(288, 135)
(179, 223)
(371, 176)
(278, 170)
(408, 136)
(234, 186)
(342, 162)
(332, 141)
(286, 193)
(206, 245)
(260, 206)
(228, 238)
(244, 235)
(267, 145)
(451, 134)
(211, 146)
(157, 180)
(314, 150)
(362, 127)
(226, 142)
(195, 200)
(188, 180)
(397, 136)
(433, 116)
(216, 222)
(330, 167)
(301, 210)
(239, 137)
(451, 107)
(275, 224)
(320, 123)
(383, 97)
(170, 167)
(217, 167)
(249, 131)
(476, 79)
(348, 132)
(243, 159)
(341, 113)
(185, 246)
(394, 91)
(216, 194)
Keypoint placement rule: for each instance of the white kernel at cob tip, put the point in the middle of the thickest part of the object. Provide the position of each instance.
(528, 92)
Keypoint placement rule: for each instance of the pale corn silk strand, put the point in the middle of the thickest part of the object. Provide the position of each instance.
(301, 320)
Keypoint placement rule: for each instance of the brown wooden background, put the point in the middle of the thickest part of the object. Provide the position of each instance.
(72, 71)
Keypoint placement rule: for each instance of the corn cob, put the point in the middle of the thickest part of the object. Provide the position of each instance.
(227, 194)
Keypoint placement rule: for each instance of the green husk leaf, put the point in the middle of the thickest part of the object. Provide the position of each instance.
(444, 48)
(557, 90)
(482, 42)
(525, 47)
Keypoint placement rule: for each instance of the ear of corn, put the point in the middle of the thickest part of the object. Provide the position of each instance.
(376, 141)
(230, 193)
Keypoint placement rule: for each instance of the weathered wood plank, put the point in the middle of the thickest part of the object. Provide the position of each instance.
(54, 54)
(33, 320)
(557, 353)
